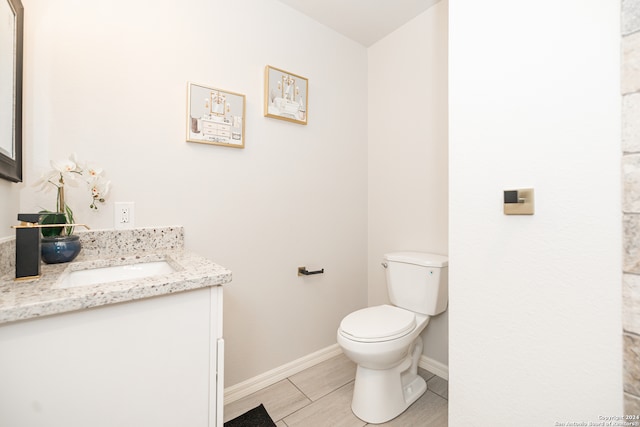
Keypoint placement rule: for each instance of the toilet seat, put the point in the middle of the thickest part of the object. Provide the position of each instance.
(379, 323)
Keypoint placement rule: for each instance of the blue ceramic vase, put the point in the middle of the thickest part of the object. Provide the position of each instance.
(58, 249)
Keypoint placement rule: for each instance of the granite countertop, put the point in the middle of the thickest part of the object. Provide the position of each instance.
(22, 300)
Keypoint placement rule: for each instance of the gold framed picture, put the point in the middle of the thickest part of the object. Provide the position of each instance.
(215, 116)
(286, 95)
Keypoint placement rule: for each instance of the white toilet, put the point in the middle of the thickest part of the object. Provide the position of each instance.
(384, 341)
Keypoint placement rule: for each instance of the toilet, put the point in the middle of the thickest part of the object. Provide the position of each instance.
(384, 340)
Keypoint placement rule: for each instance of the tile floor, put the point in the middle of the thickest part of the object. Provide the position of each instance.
(321, 396)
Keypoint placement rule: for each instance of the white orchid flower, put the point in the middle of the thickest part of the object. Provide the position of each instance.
(68, 171)
(93, 171)
(63, 166)
(73, 172)
(99, 186)
(48, 180)
(99, 190)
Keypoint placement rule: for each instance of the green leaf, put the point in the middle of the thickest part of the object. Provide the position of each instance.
(70, 219)
(47, 218)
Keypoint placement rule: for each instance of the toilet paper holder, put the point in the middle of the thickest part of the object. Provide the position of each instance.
(302, 271)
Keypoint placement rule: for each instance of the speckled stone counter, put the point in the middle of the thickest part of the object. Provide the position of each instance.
(21, 300)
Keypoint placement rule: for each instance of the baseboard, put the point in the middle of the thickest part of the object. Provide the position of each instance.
(245, 388)
(431, 365)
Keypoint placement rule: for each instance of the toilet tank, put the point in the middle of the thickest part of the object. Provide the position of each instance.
(418, 281)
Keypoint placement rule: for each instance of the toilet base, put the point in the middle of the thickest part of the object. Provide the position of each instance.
(381, 395)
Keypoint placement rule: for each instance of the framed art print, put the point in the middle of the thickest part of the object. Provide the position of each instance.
(286, 95)
(215, 116)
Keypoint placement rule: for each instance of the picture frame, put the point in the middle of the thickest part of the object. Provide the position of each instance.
(215, 116)
(11, 42)
(286, 95)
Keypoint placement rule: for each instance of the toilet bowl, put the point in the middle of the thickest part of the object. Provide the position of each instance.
(384, 340)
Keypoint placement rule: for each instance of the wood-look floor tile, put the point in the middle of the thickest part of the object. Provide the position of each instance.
(427, 375)
(279, 399)
(439, 386)
(325, 377)
(321, 396)
(430, 410)
(332, 410)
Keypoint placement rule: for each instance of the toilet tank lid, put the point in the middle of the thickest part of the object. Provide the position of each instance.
(418, 258)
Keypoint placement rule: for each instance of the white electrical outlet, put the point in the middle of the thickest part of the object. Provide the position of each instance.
(124, 215)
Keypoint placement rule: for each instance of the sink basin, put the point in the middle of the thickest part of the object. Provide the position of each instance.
(115, 273)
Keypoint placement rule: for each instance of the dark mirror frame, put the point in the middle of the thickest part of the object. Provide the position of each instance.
(11, 168)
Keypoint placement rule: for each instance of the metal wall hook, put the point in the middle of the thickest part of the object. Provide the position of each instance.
(384, 264)
(302, 271)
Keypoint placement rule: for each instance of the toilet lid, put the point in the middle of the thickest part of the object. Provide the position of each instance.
(380, 323)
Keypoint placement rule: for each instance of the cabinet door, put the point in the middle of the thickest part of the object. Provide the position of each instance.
(140, 364)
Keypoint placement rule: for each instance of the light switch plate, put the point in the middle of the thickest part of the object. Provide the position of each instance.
(526, 207)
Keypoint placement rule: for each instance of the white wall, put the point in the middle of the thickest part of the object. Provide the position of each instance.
(534, 300)
(10, 196)
(107, 80)
(408, 201)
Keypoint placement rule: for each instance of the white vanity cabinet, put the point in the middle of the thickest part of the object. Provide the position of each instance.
(152, 362)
